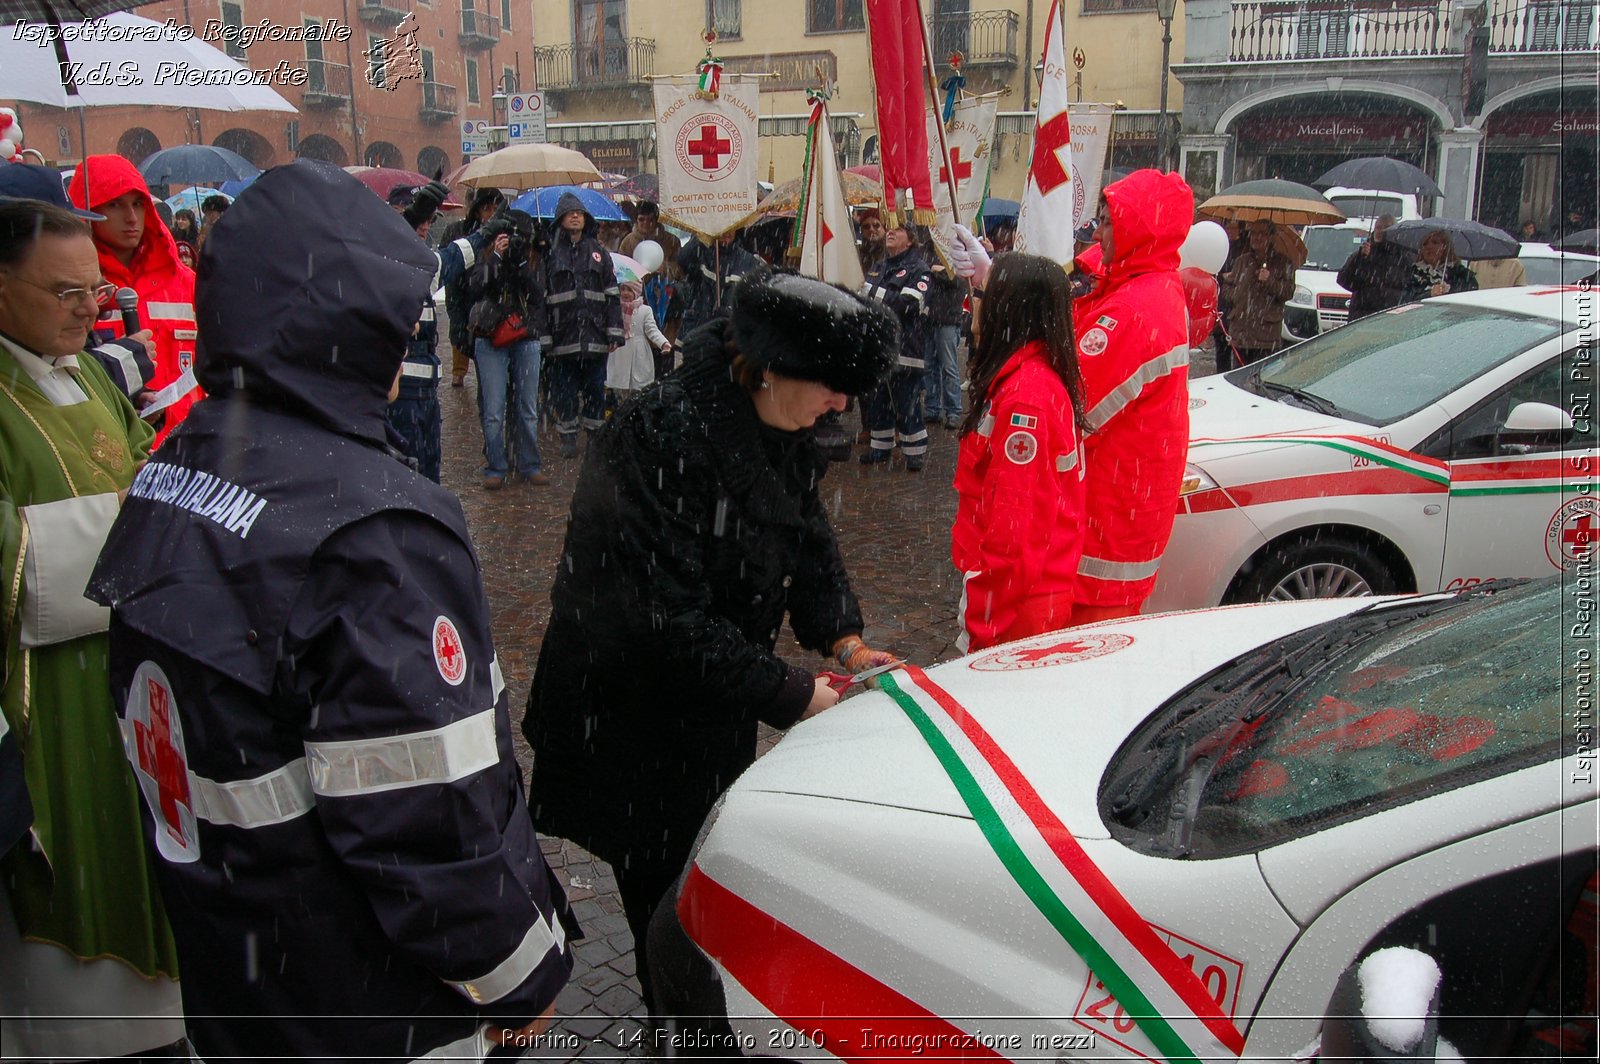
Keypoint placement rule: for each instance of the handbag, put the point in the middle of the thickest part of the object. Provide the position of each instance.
(512, 327)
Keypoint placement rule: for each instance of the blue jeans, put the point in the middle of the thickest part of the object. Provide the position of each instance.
(499, 370)
(944, 374)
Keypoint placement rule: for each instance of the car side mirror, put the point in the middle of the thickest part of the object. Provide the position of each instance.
(1537, 418)
(1385, 1008)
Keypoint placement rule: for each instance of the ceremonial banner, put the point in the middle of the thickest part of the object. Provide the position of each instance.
(970, 136)
(1050, 197)
(706, 152)
(1091, 137)
(827, 242)
(895, 35)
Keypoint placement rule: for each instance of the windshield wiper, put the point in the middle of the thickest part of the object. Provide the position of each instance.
(1315, 402)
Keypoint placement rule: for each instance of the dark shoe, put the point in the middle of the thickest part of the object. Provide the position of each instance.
(953, 422)
(914, 462)
(493, 483)
(569, 445)
(538, 480)
(874, 456)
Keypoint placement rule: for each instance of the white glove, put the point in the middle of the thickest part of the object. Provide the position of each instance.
(969, 258)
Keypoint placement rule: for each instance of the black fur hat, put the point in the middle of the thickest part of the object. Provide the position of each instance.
(812, 331)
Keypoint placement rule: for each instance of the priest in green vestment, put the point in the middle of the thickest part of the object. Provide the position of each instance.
(82, 931)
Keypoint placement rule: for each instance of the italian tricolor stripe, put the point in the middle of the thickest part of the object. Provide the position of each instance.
(1154, 986)
(1381, 453)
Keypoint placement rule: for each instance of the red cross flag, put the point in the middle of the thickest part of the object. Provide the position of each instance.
(970, 137)
(1050, 199)
(706, 155)
(827, 243)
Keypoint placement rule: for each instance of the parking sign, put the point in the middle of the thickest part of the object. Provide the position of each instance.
(525, 122)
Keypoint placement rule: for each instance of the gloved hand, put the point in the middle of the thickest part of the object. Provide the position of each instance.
(854, 654)
(969, 258)
(425, 203)
(495, 226)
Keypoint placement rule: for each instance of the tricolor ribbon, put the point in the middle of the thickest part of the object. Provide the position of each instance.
(1154, 986)
(710, 71)
(818, 99)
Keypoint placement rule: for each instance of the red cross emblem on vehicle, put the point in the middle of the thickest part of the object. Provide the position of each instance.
(1572, 533)
(448, 652)
(155, 746)
(1046, 652)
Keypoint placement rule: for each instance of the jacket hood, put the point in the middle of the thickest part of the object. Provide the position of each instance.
(1150, 216)
(103, 178)
(566, 204)
(307, 317)
(479, 198)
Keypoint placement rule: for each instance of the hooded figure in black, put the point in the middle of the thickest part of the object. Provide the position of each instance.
(300, 650)
(584, 314)
(457, 298)
(695, 528)
(710, 274)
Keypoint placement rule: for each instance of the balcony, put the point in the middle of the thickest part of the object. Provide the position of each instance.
(620, 64)
(327, 85)
(383, 12)
(438, 102)
(1530, 26)
(478, 30)
(1293, 30)
(985, 39)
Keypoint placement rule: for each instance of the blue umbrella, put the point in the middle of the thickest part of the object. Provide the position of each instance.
(195, 164)
(232, 189)
(541, 203)
(191, 198)
(995, 207)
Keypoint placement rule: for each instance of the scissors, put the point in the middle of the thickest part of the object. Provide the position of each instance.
(840, 681)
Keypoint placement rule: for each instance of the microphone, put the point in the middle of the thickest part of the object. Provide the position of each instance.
(128, 302)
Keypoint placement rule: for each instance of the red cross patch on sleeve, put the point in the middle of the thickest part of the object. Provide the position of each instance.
(448, 652)
(1021, 447)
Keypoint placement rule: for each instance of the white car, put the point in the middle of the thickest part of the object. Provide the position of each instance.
(1364, 206)
(1431, 446)
(1215, 813)
(1320, 302)
(1545, 265)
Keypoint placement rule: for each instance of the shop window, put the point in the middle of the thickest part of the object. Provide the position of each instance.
(726, 17)
(834, 16)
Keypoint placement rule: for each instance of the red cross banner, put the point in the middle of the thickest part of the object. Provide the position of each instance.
(1050, 198)
(707, 153)
(827, 243)
(970, 137)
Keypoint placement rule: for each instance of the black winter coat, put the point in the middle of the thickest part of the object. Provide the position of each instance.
(693, 531)
(508, 284)
(709, 273)
(582, 306)
(1376, 278)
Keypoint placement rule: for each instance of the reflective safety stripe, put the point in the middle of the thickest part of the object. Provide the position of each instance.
(1066, 463)
(468, 256)
(169, 311)
(496, 677)
(613, 290)
(278, 796)
(419, 369)
(734, 278)
(428, 313)
(370, 766)
(986, 425)
(709, 272)
(1104, 569)
(125, 359)
(599, 297)
(185, 334)
(512, 972)
(561, 297)
(914, 294)
(1126, 392)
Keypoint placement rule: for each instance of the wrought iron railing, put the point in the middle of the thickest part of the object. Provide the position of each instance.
(984, 38)
(1543, 26)
(438, 101)
(1287, 30)
(326, 83)
(478, 28)
(381, 12)
(603, 65)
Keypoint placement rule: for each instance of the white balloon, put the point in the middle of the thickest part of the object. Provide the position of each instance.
(648, 254)
(1206, 247)
(7, 149)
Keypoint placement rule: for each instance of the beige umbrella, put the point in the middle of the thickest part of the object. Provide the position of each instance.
(1274, 200)
(528, 166)
(859, 191)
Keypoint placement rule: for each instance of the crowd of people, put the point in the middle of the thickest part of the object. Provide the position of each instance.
(255, 728)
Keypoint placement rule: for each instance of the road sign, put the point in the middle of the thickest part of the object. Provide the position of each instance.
(474, 143)
(525, 118)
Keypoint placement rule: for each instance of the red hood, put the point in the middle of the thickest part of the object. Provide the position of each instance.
(1150, 216)
(110, 176)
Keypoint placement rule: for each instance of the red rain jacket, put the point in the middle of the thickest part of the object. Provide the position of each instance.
(165, 285)
(1133, 348)
(1019, 516)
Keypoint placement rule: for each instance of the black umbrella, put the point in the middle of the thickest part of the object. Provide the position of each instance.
(1472, 240)
(1382, 173)
(1584, 240)
(196, 164)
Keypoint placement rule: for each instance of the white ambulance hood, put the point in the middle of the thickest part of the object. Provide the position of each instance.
(1058, 705)
(1219, 410)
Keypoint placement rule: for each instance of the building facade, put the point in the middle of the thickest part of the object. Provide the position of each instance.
(1495, 98)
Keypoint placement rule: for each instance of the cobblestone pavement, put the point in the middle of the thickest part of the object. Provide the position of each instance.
(894, 531)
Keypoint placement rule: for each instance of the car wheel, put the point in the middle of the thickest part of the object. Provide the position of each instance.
(1315, 568)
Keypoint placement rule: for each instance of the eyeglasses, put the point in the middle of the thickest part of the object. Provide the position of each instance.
(98, 296)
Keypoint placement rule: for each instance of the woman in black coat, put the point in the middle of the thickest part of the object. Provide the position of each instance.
(695, 527)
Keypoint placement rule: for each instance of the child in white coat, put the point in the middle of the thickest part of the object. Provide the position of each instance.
(633, 365)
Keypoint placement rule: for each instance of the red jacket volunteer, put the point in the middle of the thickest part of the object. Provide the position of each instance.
(165, 285)
(1020, 520)
(1133, 349)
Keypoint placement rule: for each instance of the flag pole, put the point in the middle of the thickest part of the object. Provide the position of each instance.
(877, 122)
(933, 93)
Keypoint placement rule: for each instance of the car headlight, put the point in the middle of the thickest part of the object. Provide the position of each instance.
(1303, 297)
(1195, 479)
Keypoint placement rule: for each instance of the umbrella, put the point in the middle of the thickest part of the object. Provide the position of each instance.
(628, 270)
(191, 198)
(541, 203)
(1287, 242)
(1472, 240)
(528, 166)
(382, 180)
(1382, 173)
(231, 189)
(859, 191)
(195, 164)
(134, 48)
(1584, 240)
(995, 207)
(639, 186)
(1274, 200)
